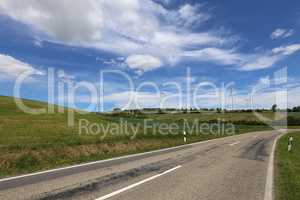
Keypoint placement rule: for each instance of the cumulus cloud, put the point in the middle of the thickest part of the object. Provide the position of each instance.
(137, 27)
(125, 27)
(143, 63)
(57, 20)
(11, 67)
(282, 33)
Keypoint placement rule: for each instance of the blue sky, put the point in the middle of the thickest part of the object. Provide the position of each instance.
(243, 42)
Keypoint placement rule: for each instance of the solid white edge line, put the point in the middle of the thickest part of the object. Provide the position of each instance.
(112, 159)
(137, 184)
(119, 158)
(270, 173)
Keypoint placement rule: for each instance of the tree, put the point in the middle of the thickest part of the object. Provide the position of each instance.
(296, 109)
(117, 110)
(274, 108)
(160, 111)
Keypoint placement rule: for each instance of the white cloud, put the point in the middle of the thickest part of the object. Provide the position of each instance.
(286, 50)
(58, 21)
(98, 19)
(125, 27)
(244, 62)
(282, 33)
(11, 67)
(227, 57)
(267, 88)
(38, 43)
(268, 59)
(138, 27)
(264, 80)
(189, 15)
(257, 62)
(261, 99)
(143, 63)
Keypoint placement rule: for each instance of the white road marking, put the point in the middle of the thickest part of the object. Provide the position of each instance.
(233, 144)
(118, 158)
(137, 184)
(112, 159)
(270, 173)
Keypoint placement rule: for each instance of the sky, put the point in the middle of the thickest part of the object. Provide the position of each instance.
(142, 46)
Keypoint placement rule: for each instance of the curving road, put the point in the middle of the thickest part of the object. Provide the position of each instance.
(228, 168)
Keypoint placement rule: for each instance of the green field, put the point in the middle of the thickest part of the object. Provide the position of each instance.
(288, 169)
(31, 143)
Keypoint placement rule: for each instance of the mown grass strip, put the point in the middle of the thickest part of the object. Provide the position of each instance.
(287, 169)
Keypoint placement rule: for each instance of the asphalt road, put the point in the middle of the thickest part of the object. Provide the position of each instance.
(227, 168)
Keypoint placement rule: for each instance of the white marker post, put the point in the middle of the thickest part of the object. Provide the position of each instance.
(290, 145)
(184, 137)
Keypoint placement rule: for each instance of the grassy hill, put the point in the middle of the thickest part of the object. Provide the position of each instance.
(31, 143)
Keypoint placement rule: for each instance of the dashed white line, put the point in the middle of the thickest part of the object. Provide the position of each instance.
(233, 144)
(137, 184)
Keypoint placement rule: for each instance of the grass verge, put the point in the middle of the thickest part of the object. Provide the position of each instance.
(30, 143)
(287, 169)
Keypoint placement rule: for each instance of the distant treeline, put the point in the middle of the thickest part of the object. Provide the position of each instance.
(195, 110)
(295, 109)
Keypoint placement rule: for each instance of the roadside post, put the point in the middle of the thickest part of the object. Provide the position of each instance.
(184, 137)
(290, 145)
